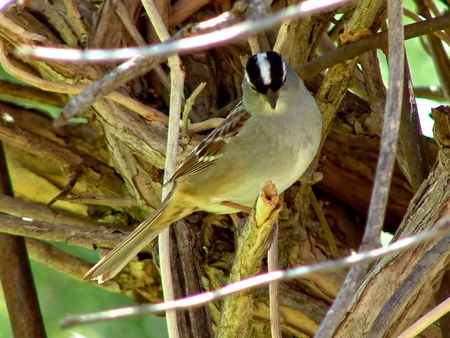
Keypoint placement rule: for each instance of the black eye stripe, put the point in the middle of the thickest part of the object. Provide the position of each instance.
(266, 71)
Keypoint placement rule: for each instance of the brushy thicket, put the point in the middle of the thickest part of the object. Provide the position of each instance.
(105, 172)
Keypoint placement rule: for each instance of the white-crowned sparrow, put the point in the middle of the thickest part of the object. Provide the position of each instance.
(272, 134)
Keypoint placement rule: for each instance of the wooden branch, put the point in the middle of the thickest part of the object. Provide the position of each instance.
(377, 41)
(95, 171)
(16, 92)
(428, 319)
(195, 322)
(379, 288)
(90, 238)
(252, 247)
(122, 12)
(385, 165)
(19, 208)
(429, 92)
(117, 77)
(136, 106)
(425, 274)
(15, 275)
(176, 93)
(410, 156)
(57, 259)
(411, 148)
(438, 54)
(441, 130)
(404, 297)
(335, 85)
(142, 286)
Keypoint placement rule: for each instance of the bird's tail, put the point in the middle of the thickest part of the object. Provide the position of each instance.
(167, 213)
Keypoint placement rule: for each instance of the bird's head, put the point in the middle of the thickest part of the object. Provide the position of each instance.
(265, 75)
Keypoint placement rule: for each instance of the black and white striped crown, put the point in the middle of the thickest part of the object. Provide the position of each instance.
(266, 71)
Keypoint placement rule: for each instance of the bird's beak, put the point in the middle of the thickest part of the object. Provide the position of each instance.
(272, 98)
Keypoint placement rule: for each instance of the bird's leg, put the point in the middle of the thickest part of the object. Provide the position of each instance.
(236, 206)
(310, 178)
(235, 219)
(238, 224)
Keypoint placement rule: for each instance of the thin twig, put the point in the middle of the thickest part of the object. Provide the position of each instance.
(274, 301)
(123, 14)
(430, 92)
(438, 55)
(377, 41)
(417, 18)
(111, 201)
(441, 229)
(176, 92)
(15, 274)
(187, 109)
(323, 223)
(272, 254)
(205, 125)
(384, 170)
(426, 320)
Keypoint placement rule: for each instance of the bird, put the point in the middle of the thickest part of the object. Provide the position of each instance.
(273, 134)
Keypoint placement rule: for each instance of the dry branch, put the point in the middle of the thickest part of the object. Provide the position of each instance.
(90, 238)
(15, 274)
(403, 298)
(252, 246)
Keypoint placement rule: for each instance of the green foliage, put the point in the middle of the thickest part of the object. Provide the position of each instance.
(60, 295)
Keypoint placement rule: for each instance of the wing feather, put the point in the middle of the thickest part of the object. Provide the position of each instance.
(212, 147)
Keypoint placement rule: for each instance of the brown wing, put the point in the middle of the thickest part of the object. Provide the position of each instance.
(211, 148)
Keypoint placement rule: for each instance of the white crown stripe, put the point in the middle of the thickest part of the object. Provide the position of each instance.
(264, 68)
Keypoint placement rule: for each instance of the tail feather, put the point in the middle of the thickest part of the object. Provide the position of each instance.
(147, 231)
